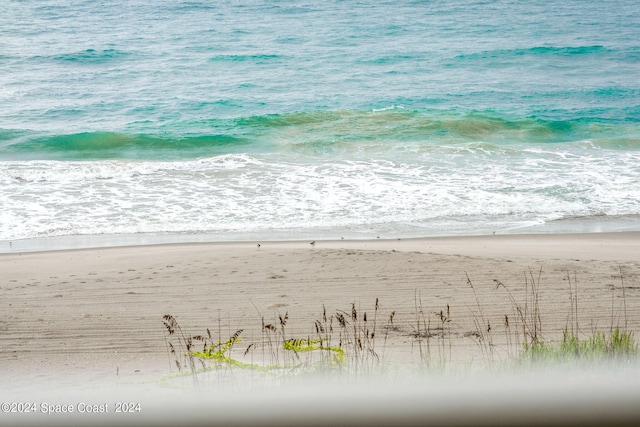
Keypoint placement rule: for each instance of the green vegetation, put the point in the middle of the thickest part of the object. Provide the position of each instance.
(618, 346)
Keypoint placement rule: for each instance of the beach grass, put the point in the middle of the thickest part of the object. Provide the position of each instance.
(353, 342)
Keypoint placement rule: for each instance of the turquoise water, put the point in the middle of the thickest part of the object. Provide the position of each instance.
(338, 118)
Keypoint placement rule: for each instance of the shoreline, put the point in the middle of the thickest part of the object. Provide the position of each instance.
(514, 244)
(566, 226)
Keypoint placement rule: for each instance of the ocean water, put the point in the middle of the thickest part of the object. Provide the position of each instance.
(295, 119)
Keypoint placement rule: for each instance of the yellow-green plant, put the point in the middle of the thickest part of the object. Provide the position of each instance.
(217, 351)
(306, 345)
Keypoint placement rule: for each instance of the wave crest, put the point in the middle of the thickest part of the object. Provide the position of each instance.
(352, 130)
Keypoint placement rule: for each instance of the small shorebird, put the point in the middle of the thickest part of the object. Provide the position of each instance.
(258, 246)
(313, 243)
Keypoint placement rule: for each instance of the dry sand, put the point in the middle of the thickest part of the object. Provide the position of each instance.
(86, 318)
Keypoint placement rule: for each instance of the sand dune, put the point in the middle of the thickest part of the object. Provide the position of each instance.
(94, 317)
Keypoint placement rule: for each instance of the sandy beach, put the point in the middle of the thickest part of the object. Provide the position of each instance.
(90, 317)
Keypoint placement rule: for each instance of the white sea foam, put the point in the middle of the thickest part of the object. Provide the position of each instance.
(250, 193)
